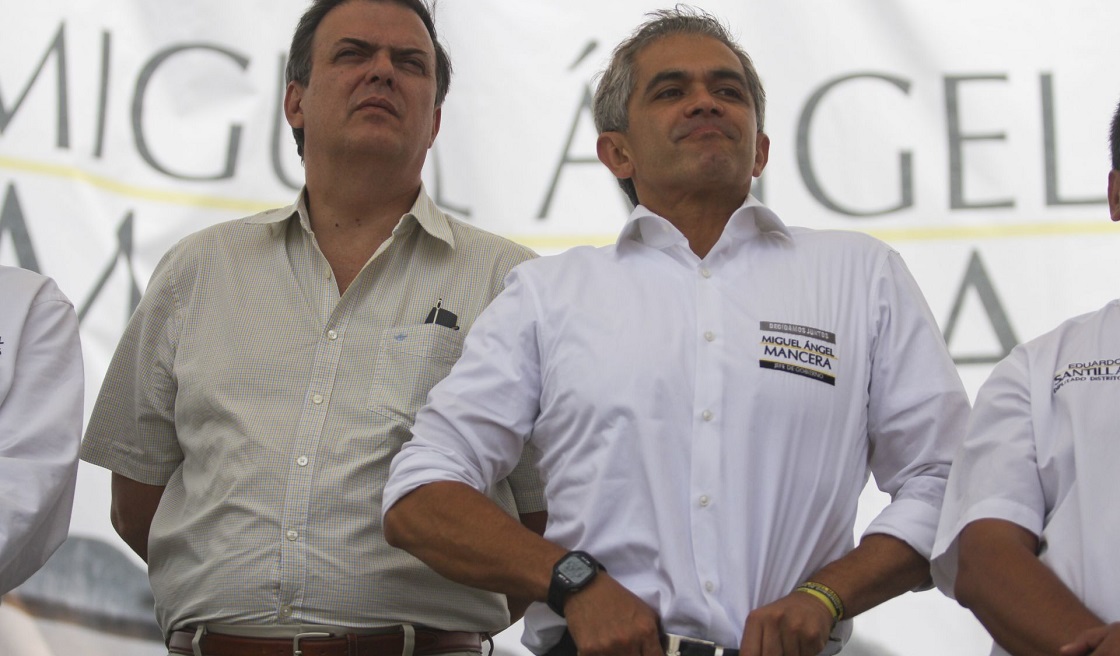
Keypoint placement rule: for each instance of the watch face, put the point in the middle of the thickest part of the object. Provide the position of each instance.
(575, 569)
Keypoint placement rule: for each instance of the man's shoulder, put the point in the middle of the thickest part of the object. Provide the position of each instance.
(231, 237)
(1097, 329)
(578, 262)
(473, 240)
(24, 287)
(838, 240)
(16, 278)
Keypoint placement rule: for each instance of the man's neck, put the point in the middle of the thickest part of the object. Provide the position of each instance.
(700, 216)
(353, 214)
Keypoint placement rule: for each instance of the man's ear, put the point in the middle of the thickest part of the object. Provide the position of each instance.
(1114, 194)
(761, 153)
(436, 118)
(293, 108)
(614, 152)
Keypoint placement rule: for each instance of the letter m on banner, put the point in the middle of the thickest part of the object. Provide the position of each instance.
(123, 254)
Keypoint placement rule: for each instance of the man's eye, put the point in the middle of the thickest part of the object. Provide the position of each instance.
(671, 92)
(730, 92)
(414, 65)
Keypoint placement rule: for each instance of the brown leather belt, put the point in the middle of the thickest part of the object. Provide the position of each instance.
(428, 641)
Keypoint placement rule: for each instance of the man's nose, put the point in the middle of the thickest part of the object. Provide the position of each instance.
(704, 102)
(381, 70)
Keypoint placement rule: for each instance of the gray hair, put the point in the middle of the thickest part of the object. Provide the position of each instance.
(1114, 139)
(618, 81)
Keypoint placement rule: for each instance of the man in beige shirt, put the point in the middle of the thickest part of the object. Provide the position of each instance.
(276, 363)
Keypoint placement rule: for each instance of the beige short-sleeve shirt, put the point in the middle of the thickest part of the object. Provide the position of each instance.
(270, 407)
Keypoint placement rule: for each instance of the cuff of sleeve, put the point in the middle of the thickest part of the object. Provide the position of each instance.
(912, 521)
(412, 468)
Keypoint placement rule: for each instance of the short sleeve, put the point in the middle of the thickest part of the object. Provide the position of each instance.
(132, 429)
(995, 472)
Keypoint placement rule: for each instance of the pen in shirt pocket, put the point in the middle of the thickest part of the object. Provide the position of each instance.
(441, 317)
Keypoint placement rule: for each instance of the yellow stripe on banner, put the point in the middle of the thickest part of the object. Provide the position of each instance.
(135, 191)
(889, 235)
(951, 233)
(560, 241)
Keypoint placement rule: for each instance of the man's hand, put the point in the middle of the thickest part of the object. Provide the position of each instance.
(1101, 641)
(795, 625)
(607, 619)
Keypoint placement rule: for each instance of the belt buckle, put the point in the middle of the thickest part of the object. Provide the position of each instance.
(673, 644)
(296, 651)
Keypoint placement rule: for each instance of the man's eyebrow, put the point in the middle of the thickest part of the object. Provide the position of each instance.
(368, 46)
(672, 75)
(676, 75)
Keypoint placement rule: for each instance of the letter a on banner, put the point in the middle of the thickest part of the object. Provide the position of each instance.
(976, 277)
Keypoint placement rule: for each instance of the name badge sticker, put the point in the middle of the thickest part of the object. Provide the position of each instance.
(798, 350)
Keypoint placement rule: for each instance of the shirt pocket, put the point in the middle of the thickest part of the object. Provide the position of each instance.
(410, 361)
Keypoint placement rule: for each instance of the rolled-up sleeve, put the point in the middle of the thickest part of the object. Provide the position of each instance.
(917, 412)
(475, 425)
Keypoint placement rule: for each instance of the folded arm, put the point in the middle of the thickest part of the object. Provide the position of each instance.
(1021, 602)
(464, 536)
(880, 568)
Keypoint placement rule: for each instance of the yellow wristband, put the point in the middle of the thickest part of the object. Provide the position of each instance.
(823, 599)
(825, 594)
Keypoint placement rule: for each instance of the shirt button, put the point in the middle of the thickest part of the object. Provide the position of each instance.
(709, 586)
(293, 535)
(301, 461)
(704, 501)
(286, 611)
(707, 415)
(317, 399)
(710, 336)
(706, 273)
(332, 335)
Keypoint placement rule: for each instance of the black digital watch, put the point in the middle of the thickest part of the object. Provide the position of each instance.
(570, 574)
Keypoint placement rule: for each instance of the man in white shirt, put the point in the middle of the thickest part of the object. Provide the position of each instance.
(41, 386)
(1029, 533)
(706, 398)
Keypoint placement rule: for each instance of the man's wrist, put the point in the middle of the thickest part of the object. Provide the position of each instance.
(827, 596)
(572, 573)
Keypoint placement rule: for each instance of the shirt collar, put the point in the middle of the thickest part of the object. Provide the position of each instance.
(424, 212)
(752, 218)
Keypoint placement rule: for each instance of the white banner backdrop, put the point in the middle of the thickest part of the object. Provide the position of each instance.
(971, 135)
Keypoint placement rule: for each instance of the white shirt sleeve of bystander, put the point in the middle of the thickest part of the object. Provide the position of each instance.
(41, 388)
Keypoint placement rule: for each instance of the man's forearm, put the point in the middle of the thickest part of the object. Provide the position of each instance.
(880, 568)
(1020, 601)
(535, 522)
(464, 536)
(133, 507)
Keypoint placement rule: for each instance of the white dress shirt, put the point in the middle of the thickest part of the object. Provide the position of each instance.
(41, 386)
(704, 426)
(1041, 452)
